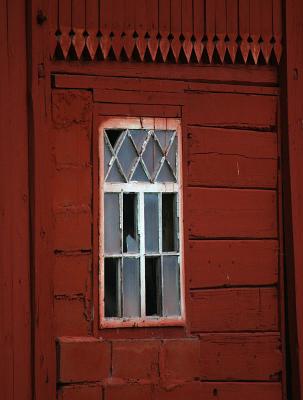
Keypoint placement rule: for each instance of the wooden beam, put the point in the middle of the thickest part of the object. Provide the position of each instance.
(292, 118)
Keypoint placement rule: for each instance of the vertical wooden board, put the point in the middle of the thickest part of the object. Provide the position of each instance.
(221, 27)
(232, 263)
(65, 24)
(277, 28)
(231, 213)
(232, 110)
(232, 27)
(255, 16)
(210, 26)
(92, 25)
(241, 357)
(198, 18)
(244, 27)
(72, 274)
(234, 310)
(266, 28)
(164, 27)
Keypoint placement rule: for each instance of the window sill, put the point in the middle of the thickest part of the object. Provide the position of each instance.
(141, 323)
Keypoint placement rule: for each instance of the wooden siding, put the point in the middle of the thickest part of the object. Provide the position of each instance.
(231, 230)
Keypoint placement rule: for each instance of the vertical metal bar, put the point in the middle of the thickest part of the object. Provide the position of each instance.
(142, 250)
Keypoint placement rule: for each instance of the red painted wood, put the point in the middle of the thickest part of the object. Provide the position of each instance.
(234, 310)
(65, 24)
(87, 359)
(77, 266)
(233, 110)
(152, 110)
(226, 391)
(80, 392)
(240, 357)
(229, 158)
(293, 194)
(71, 316)
(15, 307)
(129, 392)
(219, 263)
(232, 213)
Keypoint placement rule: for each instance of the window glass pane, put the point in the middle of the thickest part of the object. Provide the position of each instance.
(169, 222)
(127, 155)
(151, 216)
(152, 156)
(112, 231)
(112, 287)
(131, 287)
(153, 286)
(107, 158)
(130, 227)
(138, 136)
(172, 156)
(139, 174)
(171, 290)
(164, 137)
(165, 174)
(115, 174)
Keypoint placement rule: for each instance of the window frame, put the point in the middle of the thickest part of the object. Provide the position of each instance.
(139, 123)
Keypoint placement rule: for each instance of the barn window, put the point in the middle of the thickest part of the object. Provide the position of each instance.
(140, 228)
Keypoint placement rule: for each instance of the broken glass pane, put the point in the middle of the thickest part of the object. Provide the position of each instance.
(171, 289)
(151, 216)
(139, 174)
(107, 158)
(112, 231)
(165, 174)
(164, 138)
(113, 136)
(153, 286)
(152, 156)
(131, 287)
(115, 174)
(112, 287)
(138, 136)
(130, 229)
(169, 222)
(127, 155)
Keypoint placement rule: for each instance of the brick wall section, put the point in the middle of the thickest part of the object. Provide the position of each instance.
(231, 347)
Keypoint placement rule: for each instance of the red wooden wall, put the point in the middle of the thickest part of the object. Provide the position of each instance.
(232, 344)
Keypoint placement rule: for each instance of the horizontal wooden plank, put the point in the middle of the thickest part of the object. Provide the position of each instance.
(72, 228)
(136, 97)
(232, 110)
(231, 213)
(154, 85)
(232, 158)
(234, 310)
(72, 274)
(215, 263)
(241, 357)
(221, 390)
(71, 317)
(135, 110)
(266, 75)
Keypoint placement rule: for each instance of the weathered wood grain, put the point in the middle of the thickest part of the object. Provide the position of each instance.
(231, 213)
(241, 357)
(225, 310)
(232, 110)
(215, 263)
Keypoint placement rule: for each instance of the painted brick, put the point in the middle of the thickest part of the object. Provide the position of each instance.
(128, 392)
(80, 393)
(136, 359)
(180, 360)
(83, 359)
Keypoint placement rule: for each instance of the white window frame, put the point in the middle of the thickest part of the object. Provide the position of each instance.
(140, 123)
